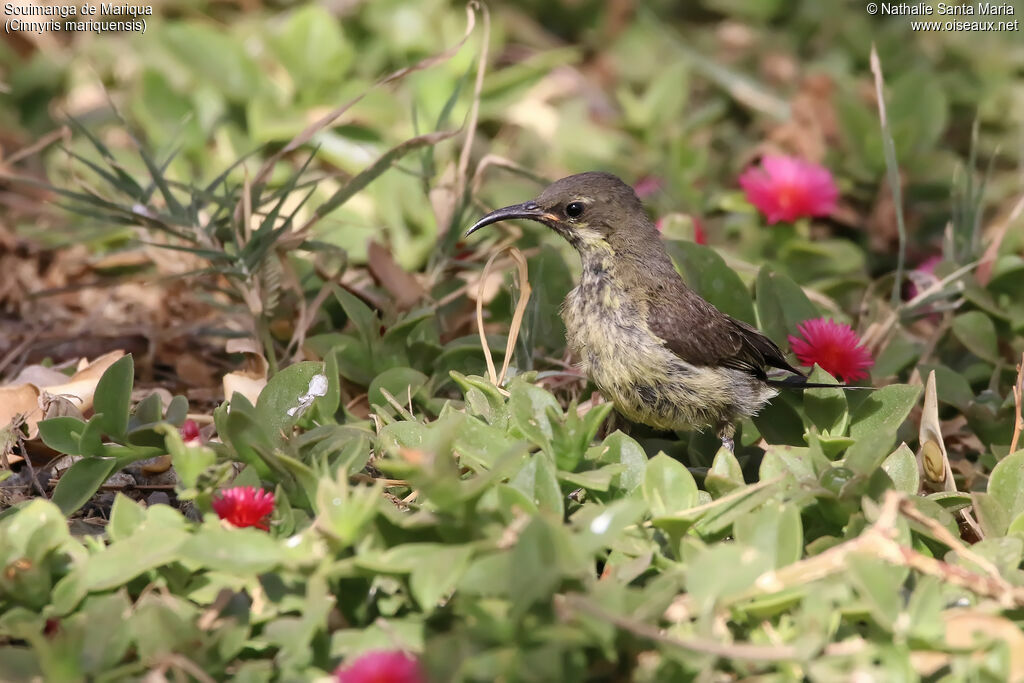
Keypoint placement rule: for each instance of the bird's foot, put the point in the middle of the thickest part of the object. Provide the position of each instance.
(725, 433)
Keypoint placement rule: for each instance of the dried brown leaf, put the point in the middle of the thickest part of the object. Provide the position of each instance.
(401, 285)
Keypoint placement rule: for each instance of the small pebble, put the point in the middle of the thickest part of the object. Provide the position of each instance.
(100, 504)
(19, 478)
(120, 479)
(168, 477)
(64, 462)
(158, 498)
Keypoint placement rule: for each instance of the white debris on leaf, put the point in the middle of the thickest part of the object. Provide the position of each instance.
(601, 523)
(317, 388)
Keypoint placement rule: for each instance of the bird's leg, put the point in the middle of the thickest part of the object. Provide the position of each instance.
(726, 430)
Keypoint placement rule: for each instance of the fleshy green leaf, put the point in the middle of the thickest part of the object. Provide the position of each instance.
(901, 466)
(1006, 484)
(705, 271)
(289, 395)
(619, 448)
(668, 486)
(775, 530)
(725, 474)
(78, 484)
(236, 551)
(976, 331)
(125, 517)
(528, 406)
(113, 397)
(883, 410)
(436, 574)
(826, 408)
(781, 306)
(399, 382)
(62, 434)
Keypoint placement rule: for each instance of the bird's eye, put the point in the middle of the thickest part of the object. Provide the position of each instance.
(574, 209)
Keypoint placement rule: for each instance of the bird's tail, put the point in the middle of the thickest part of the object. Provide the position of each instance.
(800, 382)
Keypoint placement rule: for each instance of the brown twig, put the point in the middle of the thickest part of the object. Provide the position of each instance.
(1018, 399)
(517, 316)
(878, 332)
(28, 465)
(565, 604)
(491, 372)
(367, 479)
(137, 487)
(41, 143)
(942, 533)
(179, 663)
(19, 348)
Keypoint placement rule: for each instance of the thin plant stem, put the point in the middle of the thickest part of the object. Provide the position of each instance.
(893, 172)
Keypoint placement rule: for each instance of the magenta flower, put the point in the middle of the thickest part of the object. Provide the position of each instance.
(699, 236)
(787, 188)
(647, 186)
(383, 666)
(922, 276)
(244, 506)
(834, 346)
(190, 433)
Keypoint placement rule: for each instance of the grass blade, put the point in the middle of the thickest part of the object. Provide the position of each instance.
(893, 173)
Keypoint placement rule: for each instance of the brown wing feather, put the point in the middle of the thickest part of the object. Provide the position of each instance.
(700, 334)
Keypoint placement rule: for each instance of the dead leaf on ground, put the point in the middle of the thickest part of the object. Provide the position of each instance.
(158, 465)
(20, 399)
(193, 371)
(812, 128)
(250, 380)
(400, 284)
(36, 402)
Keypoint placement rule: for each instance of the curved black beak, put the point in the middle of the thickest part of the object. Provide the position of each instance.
(528, 210)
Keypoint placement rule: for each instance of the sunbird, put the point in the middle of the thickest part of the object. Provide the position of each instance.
(663, 355)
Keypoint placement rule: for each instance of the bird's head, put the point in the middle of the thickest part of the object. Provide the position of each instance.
(591, 210)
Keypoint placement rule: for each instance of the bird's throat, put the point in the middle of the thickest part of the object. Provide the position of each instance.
(598, 260)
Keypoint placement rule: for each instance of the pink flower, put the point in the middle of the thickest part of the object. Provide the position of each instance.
(922, 276)
(787, 188)
(699, 236)
(244, 506)
(382, 667)
(190, 432)
(834, 346)
(647, 186)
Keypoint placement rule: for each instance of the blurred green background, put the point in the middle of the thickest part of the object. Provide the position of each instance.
(676, 98)
(682, 94)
